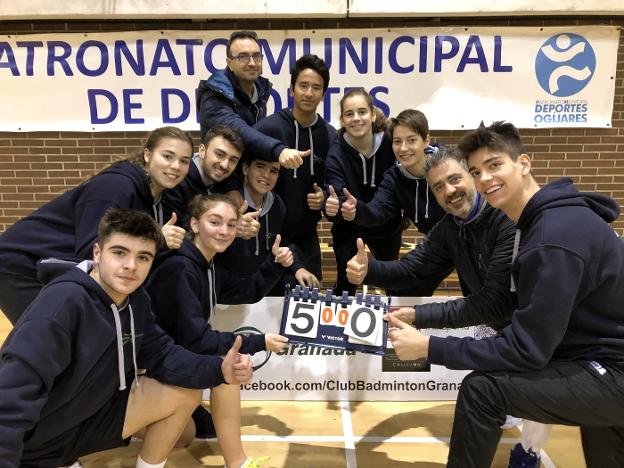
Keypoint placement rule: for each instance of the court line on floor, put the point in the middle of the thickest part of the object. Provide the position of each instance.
(347, 430)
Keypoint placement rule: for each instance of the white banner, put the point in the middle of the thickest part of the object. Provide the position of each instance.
(313, 373)
(531, 76)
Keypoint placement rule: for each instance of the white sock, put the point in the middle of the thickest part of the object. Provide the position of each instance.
(534, 435)
(143, 464)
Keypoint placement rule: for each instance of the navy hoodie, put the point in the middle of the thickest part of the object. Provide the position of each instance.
(294, 185)
(346, 167)
(222, 101)
(245, 256)
(66, 227)
(185, 288)
(569, 276)
(398, 192)
(60, 364)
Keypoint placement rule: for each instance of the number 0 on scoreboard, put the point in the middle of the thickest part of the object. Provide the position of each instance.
(338, 322)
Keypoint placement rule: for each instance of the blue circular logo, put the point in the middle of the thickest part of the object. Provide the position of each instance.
(565, 64)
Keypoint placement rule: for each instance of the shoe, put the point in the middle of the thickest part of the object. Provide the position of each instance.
(204, 427)
(76, 464)
(254, 462)
(520, 458)
(511, 422)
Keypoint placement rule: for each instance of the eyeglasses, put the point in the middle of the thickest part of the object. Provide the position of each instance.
(244, 58)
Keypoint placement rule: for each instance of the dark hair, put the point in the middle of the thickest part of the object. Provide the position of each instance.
(133, 223)
(500, 136)
(410, 118)
(228, 134)
(379, 125)
(201, 203)
(239, 35)
(442, 155)
(154, 139)
(311, 62)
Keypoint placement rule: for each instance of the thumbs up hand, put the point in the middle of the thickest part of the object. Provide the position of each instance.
(332, 204)
(348, 208)
(357, 267)
(174, 235)
(283, 255)
(236, 367)
(248, 224)
(408, 343)
(316, 199)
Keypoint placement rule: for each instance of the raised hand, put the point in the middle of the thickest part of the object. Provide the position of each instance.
(408, 343)
(236, 367)
(316, 198)
(275, 343)
(357, 267)
(332, 204)
(292, 158)
(283, 255)
(174, 235)
(248, 225)
(348, 207)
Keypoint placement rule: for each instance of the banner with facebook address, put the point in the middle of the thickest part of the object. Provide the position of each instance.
(459, 76)
(309, 372)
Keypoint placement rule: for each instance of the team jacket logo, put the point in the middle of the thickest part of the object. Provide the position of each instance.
(565, 64)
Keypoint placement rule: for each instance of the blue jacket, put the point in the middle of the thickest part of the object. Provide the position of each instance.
(66, 227)
(221, 100)
(346, 167)
(59, 365)
(479, 249)
(185, 288)
(398, 192)
(294, 185)
(568, 272)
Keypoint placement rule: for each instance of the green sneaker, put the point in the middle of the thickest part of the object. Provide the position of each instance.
(254, 462)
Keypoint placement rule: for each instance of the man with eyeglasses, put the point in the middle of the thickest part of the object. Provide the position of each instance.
(237, 97)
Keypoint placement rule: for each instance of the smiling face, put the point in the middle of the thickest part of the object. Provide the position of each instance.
(121, 264)
(219, 159)
(247, 71)
(506, 184)
(357, 117)
(215, 229)
(260, 177)
(167, 164)
(409, 149)
(453, 188)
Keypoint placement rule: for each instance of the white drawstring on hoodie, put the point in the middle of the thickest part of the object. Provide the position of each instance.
(514, 254)
(120, 351)
(158, 212)
(311, 145)
(213, 295)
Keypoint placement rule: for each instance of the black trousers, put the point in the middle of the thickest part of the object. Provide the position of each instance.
(386, 248)
(17, 291)
(571, 393)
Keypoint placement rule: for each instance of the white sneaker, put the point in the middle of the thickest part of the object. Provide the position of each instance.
(511, 422)
(76, 464)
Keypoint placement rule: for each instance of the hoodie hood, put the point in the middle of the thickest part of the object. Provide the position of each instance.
(224, 82)
(562, 193)
(54, 271)
(137, 176)
(377, 141)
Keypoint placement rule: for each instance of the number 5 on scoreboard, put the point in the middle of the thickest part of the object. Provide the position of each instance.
(302, 319)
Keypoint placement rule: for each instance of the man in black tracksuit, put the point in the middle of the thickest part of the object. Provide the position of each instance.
(473, 237)
(561, 360)
(301, 188)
